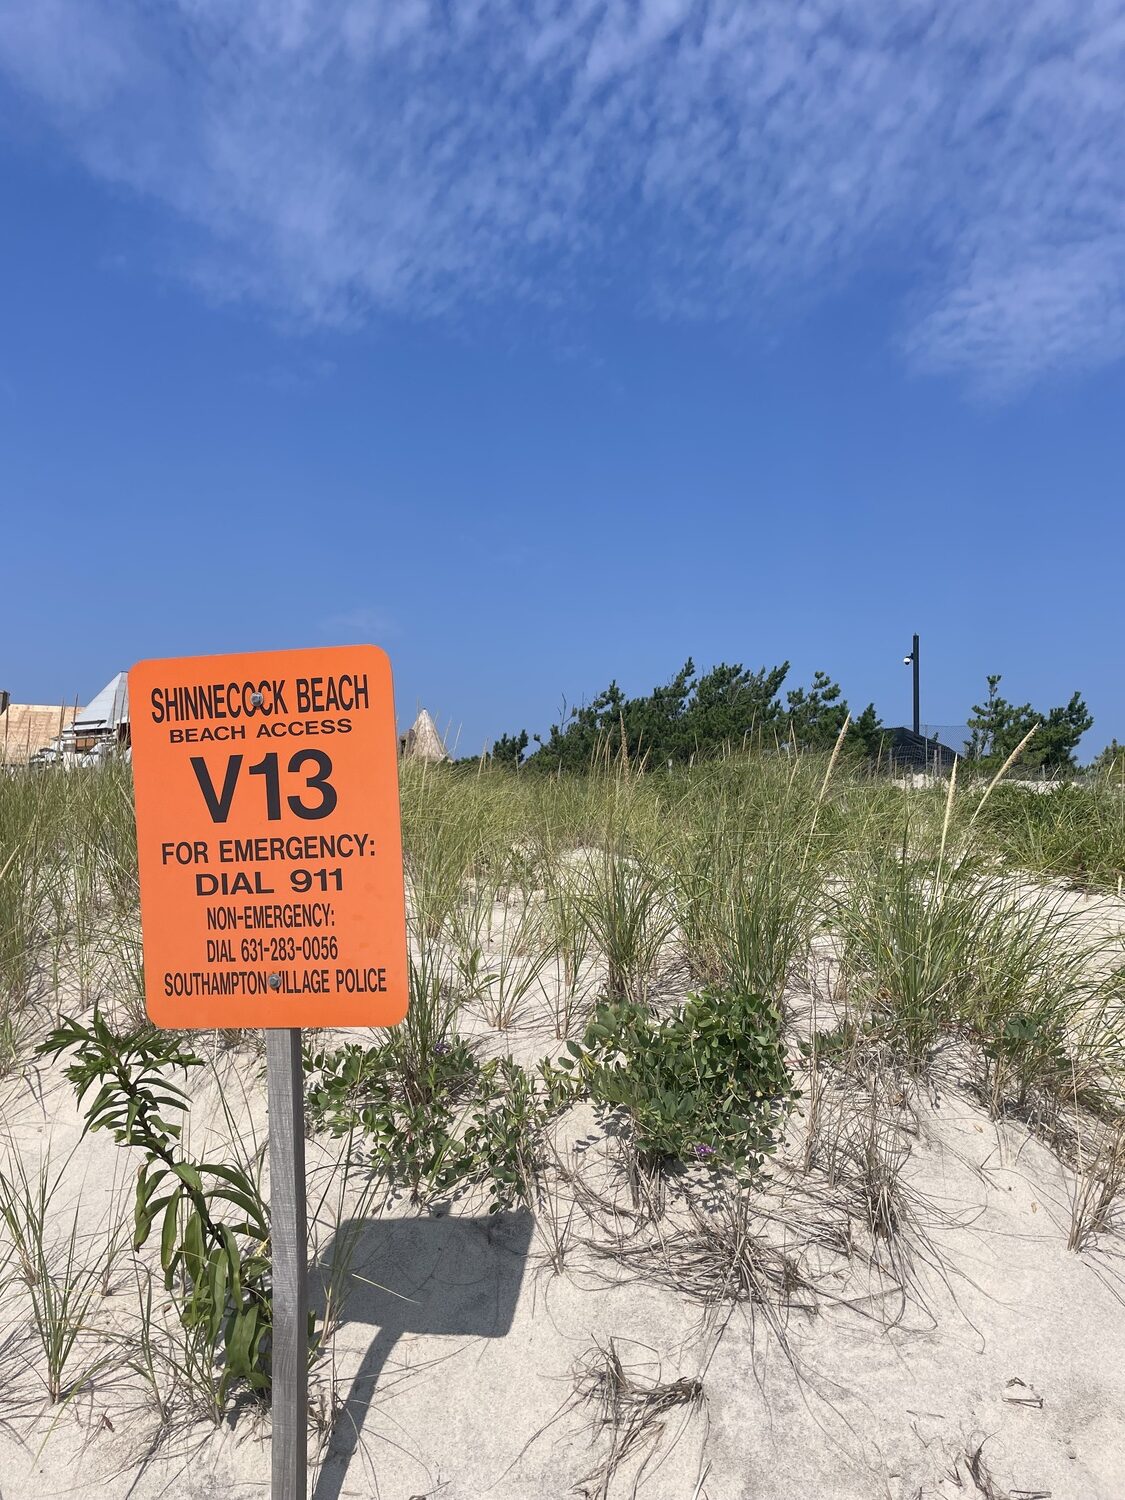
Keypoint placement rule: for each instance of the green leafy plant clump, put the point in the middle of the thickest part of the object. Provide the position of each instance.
(439, 1129)
(707, 1084)
(216, 1263)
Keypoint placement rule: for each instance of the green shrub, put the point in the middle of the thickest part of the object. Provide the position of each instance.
(458, 1123)
(709, 1083)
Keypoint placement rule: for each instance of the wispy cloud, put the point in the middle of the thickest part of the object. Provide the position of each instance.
(360, 623)
(296, 376)
(345, 158)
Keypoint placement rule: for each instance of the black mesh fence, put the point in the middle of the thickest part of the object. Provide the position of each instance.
(956, 736)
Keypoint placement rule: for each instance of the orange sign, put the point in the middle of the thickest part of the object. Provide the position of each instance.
(268, 839)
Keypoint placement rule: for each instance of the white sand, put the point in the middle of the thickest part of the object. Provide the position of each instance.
(456, 1365)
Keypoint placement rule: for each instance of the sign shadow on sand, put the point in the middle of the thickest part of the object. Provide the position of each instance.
(447, 1276)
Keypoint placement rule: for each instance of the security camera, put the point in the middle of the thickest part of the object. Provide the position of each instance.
(906, 660)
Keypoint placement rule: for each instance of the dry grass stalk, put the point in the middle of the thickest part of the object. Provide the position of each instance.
(1100, 1181)
(980, 1476)
(633, 1411)
(865, 1120)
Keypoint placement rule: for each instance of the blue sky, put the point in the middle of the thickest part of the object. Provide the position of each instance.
(554, 343)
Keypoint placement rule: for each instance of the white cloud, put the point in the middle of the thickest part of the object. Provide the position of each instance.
(360, 623)
(346, 157)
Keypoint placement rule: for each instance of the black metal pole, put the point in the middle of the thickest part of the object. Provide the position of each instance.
(917, 709)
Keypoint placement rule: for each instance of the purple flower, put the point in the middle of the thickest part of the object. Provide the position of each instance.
(441, 1048)
(703, 1152)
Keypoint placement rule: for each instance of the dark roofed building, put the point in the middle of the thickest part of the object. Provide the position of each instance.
(907, 751)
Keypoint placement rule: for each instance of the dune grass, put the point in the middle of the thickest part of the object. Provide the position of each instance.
(63, 1280)
(1072, 832)
(534, 900)
(542, 894)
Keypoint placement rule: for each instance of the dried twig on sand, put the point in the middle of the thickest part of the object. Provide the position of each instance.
(632, 1409)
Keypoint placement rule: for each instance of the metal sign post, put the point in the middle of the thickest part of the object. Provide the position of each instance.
(288, 1239)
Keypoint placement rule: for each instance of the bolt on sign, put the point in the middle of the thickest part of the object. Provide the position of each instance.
(268, 839)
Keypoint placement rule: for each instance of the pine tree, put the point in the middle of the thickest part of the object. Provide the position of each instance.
(998, 727)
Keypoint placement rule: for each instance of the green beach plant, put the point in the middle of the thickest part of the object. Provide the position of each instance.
(707, 1085)
(565, 977)
(216, 1264)
(954, 947)
(624, 904)
(62, 1279)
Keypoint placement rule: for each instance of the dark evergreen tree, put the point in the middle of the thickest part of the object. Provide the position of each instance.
(727, 708)
(998, 726)
(1111, 762)
(508, 749)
